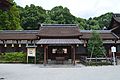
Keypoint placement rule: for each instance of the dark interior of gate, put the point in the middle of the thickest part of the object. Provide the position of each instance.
(59, 51)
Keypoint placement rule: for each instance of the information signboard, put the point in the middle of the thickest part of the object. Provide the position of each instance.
(113, 49)
(31, 52)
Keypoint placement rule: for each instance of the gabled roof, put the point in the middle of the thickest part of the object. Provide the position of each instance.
(115, 22)
(56, 31)
(116, 17)
(18, 34)
(59, 30)
(59, 41)
(104, 34)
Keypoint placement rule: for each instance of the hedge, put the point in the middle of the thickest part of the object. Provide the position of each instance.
(13, 57)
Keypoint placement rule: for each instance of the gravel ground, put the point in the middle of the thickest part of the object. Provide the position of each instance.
(58, 72)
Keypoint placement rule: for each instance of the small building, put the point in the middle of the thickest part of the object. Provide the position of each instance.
(55, 41)
(115, 29)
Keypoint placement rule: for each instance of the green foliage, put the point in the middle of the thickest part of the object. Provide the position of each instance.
(60, 15)
(95, 45)
(31, 15)
(104, 20)
(14, 57)
(96, 23)
(10, 20)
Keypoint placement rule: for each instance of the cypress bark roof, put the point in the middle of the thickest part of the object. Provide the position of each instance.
(115, 22)
(59, 41)
(18, 34)
(104, 34)
(61, 30)
(56, 31)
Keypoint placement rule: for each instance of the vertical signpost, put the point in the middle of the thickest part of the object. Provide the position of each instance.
(113, 49)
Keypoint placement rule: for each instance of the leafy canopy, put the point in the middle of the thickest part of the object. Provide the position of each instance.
(95, 45)
(10, 20)
(30, 17)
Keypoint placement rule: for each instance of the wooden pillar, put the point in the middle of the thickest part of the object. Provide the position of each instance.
(45, 55)
(35, 57)
(74, 55)
(27, 56)
(73, 48)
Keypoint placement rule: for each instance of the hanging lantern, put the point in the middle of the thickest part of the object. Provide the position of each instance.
(77, 45)
(12, 45)
(19, 45)
(27, 44)
(85, 42)
(41, 45)
(5, 45)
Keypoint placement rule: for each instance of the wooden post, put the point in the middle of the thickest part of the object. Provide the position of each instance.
(45, 61)
(115, 54)
(47, 54)
(27, 56)
(73, 55)
(35, 57)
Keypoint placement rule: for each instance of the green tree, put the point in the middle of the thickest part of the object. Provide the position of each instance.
(32, 15)
(96, 23)
(81, 22)
(48, 19)
(10, 20)
(95, 46)
(60, 15)
(104, 20)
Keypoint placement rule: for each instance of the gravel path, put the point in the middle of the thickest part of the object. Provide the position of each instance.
(39, 72)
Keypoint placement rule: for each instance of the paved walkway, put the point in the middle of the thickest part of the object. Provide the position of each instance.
(51, 72)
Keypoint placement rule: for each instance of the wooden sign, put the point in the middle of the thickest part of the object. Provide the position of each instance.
(31, 52)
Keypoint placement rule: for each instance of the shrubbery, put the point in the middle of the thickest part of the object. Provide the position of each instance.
(13, 57)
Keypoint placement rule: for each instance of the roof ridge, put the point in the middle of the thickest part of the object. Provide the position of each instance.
(59, 25)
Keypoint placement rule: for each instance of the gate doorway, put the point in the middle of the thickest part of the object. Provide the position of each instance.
(59, 54)
(59, 51)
